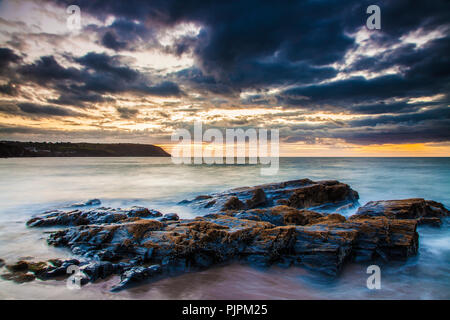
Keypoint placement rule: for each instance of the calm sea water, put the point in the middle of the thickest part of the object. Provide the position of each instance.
(33, 185)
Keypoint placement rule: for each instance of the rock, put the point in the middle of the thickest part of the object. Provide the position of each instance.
(126, 242)
(431, 221)
(203, 197)
(97, 270)
(233, 204)
(136, 275)
(281, 215)
(2, 263)
(324, 243)
(300, 194)
(321, 193)
(390, 239)
(20, 266)
(170, 217)
(91, 202)
(142, 212)
(94, 216)
(259, 199)
(19, 277)
(426, 211)
(38, 268)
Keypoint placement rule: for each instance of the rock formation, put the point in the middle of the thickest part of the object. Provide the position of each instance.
(260, 226)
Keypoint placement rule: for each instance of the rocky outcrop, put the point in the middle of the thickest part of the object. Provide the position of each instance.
(246, 224)
(94, 216)
(300, 194)
(424, 211)
(293, 237)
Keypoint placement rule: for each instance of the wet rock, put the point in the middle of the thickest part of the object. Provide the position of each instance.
(142, 212)
(426, 211)
(233, 204)
(390, 239)
(203, 197)
(300, 194)
(430, 221)
(258, 199)
(91, 202)
(20, 266)
(136, 275)
(19, 277)
(58, 270)
(261, 236)
(2, 263)
(170, 217)
(38, 268)
(323, 245)
(323, 192)
(281, 215)
(94, 216)
(97, 270)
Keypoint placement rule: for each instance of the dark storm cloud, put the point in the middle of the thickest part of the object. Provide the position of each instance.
(103, 63)
(34, 110)
(37, 109)
(127, 113)
(99, 74)
(47, 69)
(8, 56)
(110, 40)
(8, 89)
(259, 45)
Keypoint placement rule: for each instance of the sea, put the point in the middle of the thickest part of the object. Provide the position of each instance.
(29, 186)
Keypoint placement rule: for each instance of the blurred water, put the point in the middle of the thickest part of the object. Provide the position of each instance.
(32, 185)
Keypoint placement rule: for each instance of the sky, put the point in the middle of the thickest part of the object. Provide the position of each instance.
(137, 71)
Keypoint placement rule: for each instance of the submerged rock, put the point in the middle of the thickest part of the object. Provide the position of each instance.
(424, 211)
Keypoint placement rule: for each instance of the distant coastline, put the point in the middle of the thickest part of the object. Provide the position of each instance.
(16, 149)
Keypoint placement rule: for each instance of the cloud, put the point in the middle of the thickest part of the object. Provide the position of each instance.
(7, 56)
(308, 59)
(127, 113)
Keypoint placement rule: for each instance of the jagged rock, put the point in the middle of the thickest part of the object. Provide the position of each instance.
(233, 204)
(324, 243)
(425, 211)
(136, 275)
(95, 216)
(258, 199)
(323, 192)
(260, 236)
(142, 212)
(281, 215)
(301, 194)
